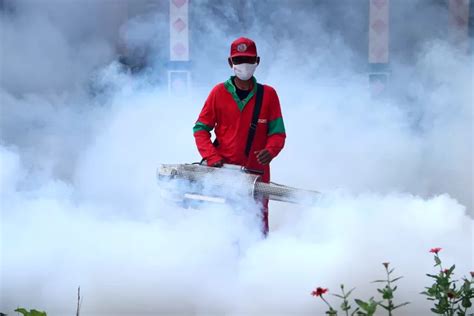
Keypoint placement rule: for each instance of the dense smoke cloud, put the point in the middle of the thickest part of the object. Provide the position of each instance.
(81, 137)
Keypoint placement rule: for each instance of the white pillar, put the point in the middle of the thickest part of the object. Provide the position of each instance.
(379, 27)
(178, 73)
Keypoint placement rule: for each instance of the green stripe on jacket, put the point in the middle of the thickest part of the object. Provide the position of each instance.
(276, 126)
(199, 126)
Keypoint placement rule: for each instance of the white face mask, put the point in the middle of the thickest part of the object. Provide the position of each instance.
(244, 71)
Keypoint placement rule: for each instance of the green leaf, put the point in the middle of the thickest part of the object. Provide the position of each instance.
(437, 260)
(391, 270)
(402, 304)
(466, 302)
(384, 306)
(372, 309)
(349, 293)
(362, 304)
(436, 311)
(452, 268)
(387, 295)
(396, 279)
(32, 312)
(444, 282)
(466, 286)
(432, 291)
(379, 281)
(345, 306)
(22, 311)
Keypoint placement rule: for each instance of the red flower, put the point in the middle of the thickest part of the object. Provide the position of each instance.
(451, 295)
(446, 271)
(435, 250)
(472, 274)
(385, 264)
(319, 291)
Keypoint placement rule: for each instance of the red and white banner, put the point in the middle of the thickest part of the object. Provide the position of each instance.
(179, 30)
(459, 23)
(379, 31)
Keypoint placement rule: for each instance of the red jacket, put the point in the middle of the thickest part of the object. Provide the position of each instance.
(231, 118)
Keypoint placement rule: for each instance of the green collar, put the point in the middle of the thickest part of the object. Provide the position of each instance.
(229, 85)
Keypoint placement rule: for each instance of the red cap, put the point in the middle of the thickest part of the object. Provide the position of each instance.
(243, 47)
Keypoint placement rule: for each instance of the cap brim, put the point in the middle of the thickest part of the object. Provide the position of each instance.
(243, 54)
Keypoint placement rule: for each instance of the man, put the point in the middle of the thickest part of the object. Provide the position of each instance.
(230, 108)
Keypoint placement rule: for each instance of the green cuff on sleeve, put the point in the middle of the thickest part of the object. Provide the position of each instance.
(276, 126)
(201, 127)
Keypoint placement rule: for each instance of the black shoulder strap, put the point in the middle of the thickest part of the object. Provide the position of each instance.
(256, 113)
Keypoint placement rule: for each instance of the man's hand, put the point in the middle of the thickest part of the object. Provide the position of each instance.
(263, 156)
(218, 164)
